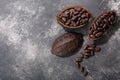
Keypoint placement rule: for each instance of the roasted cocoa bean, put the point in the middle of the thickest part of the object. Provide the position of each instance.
(82, 69)
(92, 45)
(87, 51)
(98, 34)
(86, 55)
(93, 28)
(97, 49)
(91, 48)
(64, 19)
(82, 56)
(91, 36)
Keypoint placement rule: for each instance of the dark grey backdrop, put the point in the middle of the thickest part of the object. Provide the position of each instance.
(27, 31)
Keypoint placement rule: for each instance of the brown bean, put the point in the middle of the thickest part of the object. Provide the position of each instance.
(83, 15)
(109, 19)
(82, 11)
(79, 19)
(97, 49)
(98, 34)
(87, 51)
(91, 48)
(105, 20)
(86, 46)
(94, 27)
(97, 24)
(77, 23)
(76, 13)
(92, 36)
(99, 29)
(72, 11)
(105, 25)
(76, 16)
(66, 12)
(86, 55)
(93, 45)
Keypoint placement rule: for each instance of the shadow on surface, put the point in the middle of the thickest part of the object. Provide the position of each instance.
(83, 30)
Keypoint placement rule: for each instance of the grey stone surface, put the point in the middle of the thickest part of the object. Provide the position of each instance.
(27, 31)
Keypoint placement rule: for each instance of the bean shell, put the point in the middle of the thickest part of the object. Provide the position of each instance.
(93, 45)
(87, 51)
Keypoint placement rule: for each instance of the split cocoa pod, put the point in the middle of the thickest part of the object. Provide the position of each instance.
(102, 24)
(74, 17)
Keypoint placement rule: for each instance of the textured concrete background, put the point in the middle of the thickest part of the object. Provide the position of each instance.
(27, 31)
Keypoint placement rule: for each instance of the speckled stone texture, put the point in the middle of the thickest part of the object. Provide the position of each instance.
(27, 31)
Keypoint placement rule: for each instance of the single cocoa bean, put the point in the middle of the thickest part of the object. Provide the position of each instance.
(97, 49)
(98, 34)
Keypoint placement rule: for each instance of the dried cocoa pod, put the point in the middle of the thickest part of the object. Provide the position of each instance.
(74, 17)
(67, 44)
(102, 24)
